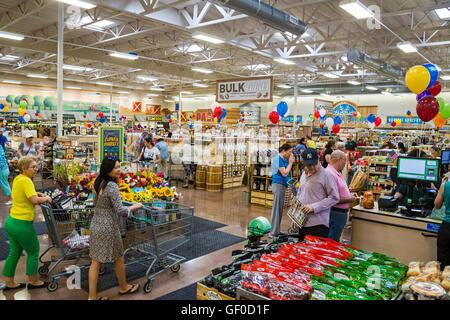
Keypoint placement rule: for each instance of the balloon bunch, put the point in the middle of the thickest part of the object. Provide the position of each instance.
(102, 118)
(87, 125)
(281, 111)
(219, 113)
(122, 118)
(422, 80)
(170, 118)
(396, 123)
(374, 121)
(190, 116)
(38, 113)
(84, 114)
(23, 115)
(408, 114)
(3, 107)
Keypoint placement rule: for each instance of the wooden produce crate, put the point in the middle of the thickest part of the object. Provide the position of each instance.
(258, 201)
(206, 293)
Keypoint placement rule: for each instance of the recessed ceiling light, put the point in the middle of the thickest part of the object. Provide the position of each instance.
(356, 9)
(12, 36)
(353, 82)
(207, 38)
(128, 56)
(201, 85)
(284, 86)
(12, 81)
(79, 3)
(371, 88)
(35, 75)
(201, 70)
(443, 13)
(284, 61)
(331, 75)
(306, 91)
(157, 89)
(146, 78)
(406, 47)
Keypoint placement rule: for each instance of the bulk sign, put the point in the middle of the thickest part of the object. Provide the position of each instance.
(258, 89)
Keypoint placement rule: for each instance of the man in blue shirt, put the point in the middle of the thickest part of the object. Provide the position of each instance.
(3, 139)
(164, 155)
(301, 146)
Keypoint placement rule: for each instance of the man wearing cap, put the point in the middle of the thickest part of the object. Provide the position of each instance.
(28, 148)
(140, 143)
(318, 192)
(338, 213)
(163, 148)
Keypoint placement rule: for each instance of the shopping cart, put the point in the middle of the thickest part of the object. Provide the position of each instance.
(153, 232)
(68, 223)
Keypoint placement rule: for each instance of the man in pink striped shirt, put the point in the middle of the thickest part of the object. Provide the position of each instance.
(338, 213)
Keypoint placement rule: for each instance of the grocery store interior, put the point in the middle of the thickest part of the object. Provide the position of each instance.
(207, 104)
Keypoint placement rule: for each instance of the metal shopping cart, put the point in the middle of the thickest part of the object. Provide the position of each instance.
(68, 224)
(153, 233)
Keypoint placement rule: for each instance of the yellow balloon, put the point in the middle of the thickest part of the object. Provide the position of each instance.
(417, 79)
(215, 120)
(5, 109)
(21, 112)
(398, 122)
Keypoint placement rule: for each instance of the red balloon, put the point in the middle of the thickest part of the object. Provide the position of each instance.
(427, 108)
(435, 89)
(218, 112)
(100, 114)
(316, 114)
(393, 123)
(377, 121)
(322, 126)
(274, 117)
(336, 128)
(355, 114)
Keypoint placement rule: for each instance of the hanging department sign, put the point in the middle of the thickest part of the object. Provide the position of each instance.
(344, 108)
(258, 89)
(325, 104)
(111, 143)
(412, 120)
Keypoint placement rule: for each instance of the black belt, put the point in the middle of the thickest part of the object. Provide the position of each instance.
(340, 209)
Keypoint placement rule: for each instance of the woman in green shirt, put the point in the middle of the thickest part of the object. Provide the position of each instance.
(443, 240)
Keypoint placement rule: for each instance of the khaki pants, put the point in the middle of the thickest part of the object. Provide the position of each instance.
(163, 167)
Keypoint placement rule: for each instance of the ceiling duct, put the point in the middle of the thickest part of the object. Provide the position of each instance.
(363, 60)
(271, 16)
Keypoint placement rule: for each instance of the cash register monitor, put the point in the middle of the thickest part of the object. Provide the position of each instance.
(445, 157)
(418, 169)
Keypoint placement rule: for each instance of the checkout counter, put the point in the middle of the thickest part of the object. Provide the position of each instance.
(396, 235)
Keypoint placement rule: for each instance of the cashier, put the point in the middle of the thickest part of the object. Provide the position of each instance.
(403, 192)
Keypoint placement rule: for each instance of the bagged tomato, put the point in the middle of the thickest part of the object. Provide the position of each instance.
(288, 289)
(256, 278)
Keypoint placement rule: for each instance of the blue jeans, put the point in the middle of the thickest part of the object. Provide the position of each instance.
(338, 219)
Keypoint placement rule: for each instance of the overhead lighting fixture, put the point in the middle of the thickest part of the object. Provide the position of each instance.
(356, 9)
(9, 58)
(35, 75)
(326, 95)
(397, 96)
(12, 81)
(443, 13)
(201, 70)
(406, 47)
(331, 75)
(124, 92)
(157, 89)
(306, 91)
(128, 56)
(48, 90)
(284, 61)
(147, 98)
(257, 66)
(186, 92)
(12, 36)
(386, 93)
(146, 78)
(445, 77)
(201, 85)
(371, 88)
(189, 48)
(74, 88)
(153, 94)
(96, 26)
(122, 97)
(169, 101)
(353, 82)
(76, 68)
(79, 3)
(284, 86)
(207, 38)
(104, 83)
(276, 97)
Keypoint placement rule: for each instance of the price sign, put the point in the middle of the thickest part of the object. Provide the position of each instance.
(111, 143)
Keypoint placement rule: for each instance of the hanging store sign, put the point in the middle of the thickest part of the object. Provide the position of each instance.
(111, 143)
(258, 89)
(290, 119)
(344, 108)
(413, 120)
(325, 104)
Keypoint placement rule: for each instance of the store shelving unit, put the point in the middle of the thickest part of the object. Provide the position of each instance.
(380, 182)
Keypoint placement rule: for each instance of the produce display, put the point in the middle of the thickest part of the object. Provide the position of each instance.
(426, 281)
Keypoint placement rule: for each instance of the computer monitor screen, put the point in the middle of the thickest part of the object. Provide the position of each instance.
(418, 169)
(445, 157)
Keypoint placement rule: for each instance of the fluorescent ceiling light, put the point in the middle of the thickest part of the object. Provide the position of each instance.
(443, 13)
(79, 3)
(9, 35)
(123, 97)
(284, 61)
(356, 9)
(35, 75)
(94, 93)
(157, 89)
(386, 93)
(186, 92)
(284, 86)
(306, 91)
(48, 90)
(97, 26)
(75, 88)
(146, 78)
(355, 83)
(124, 92)
(153, 94)
(189, 48)
(371, 88)
(168, 101)
(12, 81)
(128, 56)
(147, 98)
(201, 70)
(9, 58)
(445, 77)
(76, 68)
(257, 66)
(201, 85)
(331, 75)
(207, 38)
(104, 83)
(406, 47)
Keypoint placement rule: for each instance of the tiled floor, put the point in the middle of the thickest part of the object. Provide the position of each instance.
(226, 207)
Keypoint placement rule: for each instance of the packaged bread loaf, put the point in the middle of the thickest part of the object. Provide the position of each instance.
(446, 283)
(446, 272)
(433, 267)
(428, 277)
(414, 269)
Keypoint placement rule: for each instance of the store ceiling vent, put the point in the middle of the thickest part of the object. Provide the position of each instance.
(363, 60)
(271, 16)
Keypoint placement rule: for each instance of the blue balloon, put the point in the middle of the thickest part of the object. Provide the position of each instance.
(224, 114)
(338, 120)
(1, 106)
(371, 118)
(423, 95)
(323, 118)
(434, 73)
(282, 109)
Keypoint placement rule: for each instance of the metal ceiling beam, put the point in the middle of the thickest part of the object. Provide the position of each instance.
(22, 11)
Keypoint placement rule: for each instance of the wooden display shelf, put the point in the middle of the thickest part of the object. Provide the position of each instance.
(379, 172)
(207, 293)
(392, 164)
(386, 183)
